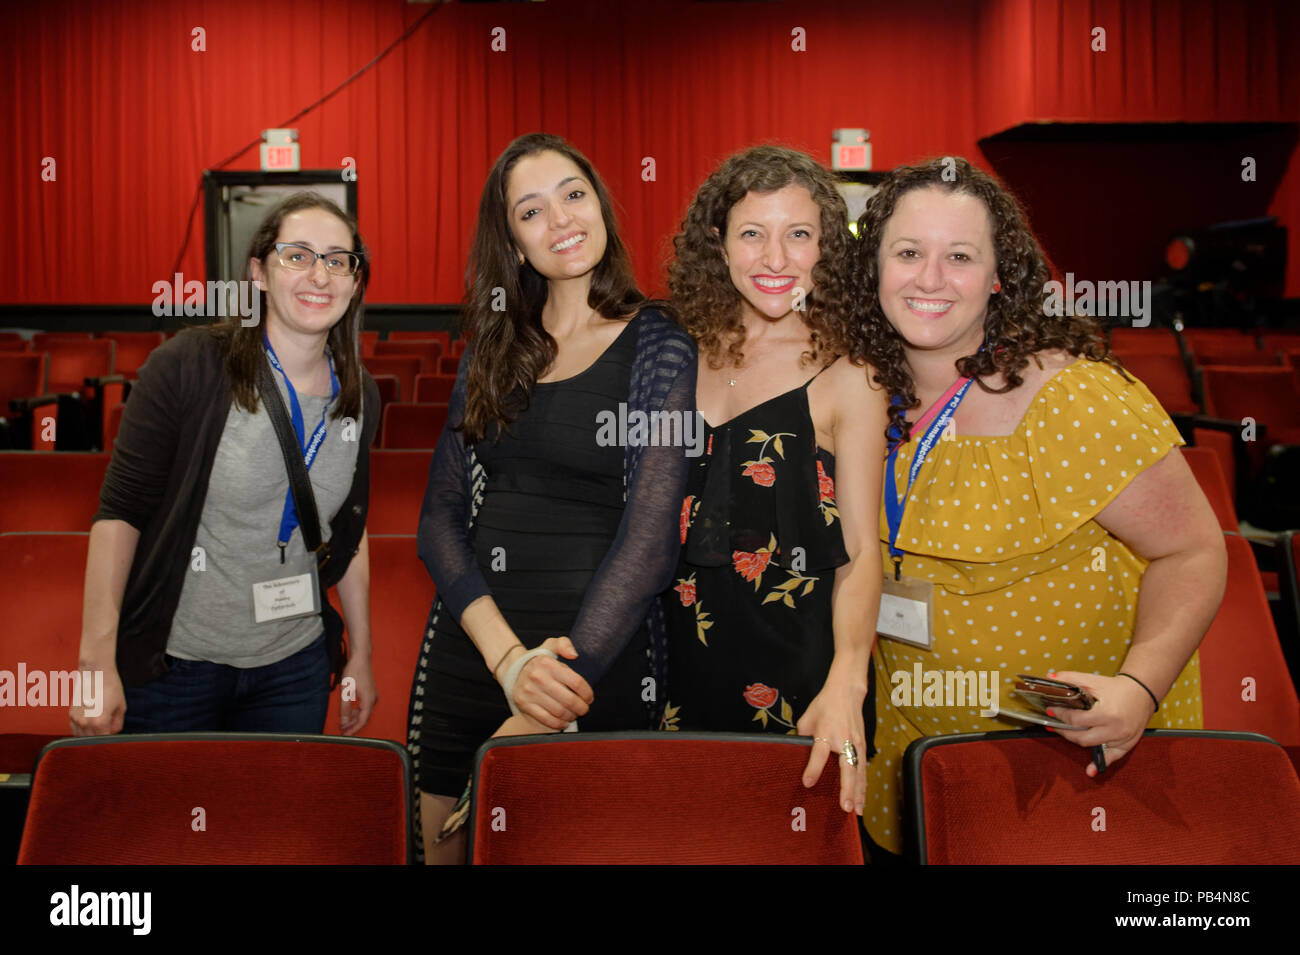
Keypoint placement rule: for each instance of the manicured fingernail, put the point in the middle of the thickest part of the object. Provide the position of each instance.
(1051, 714)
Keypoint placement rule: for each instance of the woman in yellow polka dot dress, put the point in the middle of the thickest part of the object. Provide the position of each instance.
(1055, 523)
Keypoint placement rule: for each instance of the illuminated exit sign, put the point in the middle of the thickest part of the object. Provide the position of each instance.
(280, 150)
(851, 150)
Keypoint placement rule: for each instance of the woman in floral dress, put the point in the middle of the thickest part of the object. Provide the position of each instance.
(771, 620)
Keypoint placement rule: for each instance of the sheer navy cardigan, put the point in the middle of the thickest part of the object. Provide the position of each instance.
(639, 564)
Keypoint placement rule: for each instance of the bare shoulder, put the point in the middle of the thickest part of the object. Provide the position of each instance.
(854, 383)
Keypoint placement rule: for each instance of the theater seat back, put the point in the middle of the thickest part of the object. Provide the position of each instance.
(656, 799)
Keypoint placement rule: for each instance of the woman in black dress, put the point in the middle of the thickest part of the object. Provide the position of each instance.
(771, 620)
(546, 534)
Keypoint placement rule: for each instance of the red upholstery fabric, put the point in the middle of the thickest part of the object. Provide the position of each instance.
(458, 348)
(73, 361)
(22, 375)
(412, 425)
(658, 800)
(429, 352)
(1172, 800)
(132, 350)
(42, 579)
(1209, 475)
(1166, 376)
(368, 342)
(1144, 341)
(402, 367)
(49, 490)
(1269, 395)
(1242, 644)
(18, 751)
(434, 389)
(448, 366)
(129, 800)
(1221, 444)
(397, 481)
(114, 425)
(401, 594)
(422, 335)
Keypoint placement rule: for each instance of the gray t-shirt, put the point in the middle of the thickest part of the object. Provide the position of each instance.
(238, 533)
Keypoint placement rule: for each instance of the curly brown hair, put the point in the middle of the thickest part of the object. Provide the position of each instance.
(1016, 325)
(708, 304)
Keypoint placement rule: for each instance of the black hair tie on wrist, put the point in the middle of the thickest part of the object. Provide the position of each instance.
(1145, 687)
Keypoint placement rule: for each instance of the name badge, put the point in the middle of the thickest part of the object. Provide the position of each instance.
(286, 597)
(907, 611)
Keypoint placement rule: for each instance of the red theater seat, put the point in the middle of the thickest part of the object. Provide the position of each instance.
(72, 361)
(1270, 396)
(132, 350)
(12, 341)
(1245, 685)
(1209, 475)
(429, 353)
(1179, 798)
(397, 482)
(267, 799)
(50, 490)
(404, 368)
(22, 375)
(1166, 376)
(42, 579)
(413, 426)
(656, 799)
(422, 335)
(368, 342)
(401, 594)
(1144, 341)
(434, 389)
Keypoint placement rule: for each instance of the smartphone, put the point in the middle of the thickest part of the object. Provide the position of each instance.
(1040, 693)
(1024, 716)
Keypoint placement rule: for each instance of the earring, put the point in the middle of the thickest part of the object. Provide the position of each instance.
(997, 286)
(521, 258)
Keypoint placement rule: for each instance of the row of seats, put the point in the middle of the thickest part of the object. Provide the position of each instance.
(1244, 677)
(660, 799)
(94, 374)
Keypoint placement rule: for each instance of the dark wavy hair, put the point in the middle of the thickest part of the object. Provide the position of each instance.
(511, 348)
(1016, 325)
(244, 348)
(708, 304)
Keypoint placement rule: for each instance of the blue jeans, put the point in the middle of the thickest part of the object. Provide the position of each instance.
(291, 696)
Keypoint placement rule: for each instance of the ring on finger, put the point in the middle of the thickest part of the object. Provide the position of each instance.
(850, 752)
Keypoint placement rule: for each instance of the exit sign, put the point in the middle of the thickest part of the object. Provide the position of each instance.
(853, 157)
(280, 150)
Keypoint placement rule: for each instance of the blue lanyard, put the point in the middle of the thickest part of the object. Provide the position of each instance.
(893, 503)
(289, 518)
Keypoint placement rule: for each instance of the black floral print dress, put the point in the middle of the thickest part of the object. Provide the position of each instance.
(749, 618)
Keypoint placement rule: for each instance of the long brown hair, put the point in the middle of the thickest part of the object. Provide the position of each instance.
(1016, 325)
(245, 351)
(511, 348)
(706, 300)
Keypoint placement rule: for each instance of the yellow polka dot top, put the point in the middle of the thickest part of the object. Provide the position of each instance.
(1025, 579)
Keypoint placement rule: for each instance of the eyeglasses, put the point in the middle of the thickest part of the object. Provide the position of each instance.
(300, 258)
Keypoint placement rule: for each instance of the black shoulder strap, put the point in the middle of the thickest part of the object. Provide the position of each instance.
(304, 501)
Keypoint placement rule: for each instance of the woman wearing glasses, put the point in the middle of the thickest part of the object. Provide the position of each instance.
(203, 607)
(546, 535)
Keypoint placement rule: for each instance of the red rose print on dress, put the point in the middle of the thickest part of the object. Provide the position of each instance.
(751, 566)
(825, 486)
(686, 588)
(760, 469)
(826, 495)
(764, 474)
(761, 697)
(685, 520)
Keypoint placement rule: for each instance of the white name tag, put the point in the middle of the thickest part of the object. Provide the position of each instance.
(907, 612)
(285, 597)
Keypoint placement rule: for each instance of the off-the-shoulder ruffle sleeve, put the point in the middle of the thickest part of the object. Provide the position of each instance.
(1085, 436)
